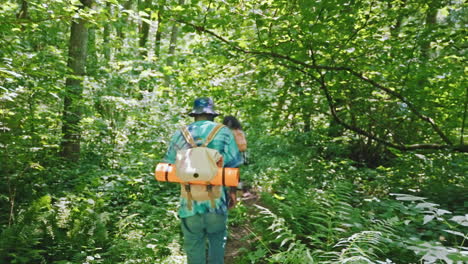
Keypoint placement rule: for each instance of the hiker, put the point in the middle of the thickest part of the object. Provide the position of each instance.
(207, 219)
(239, 135)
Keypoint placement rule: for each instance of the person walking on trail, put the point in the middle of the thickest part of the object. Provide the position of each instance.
(206, 219)
(239, 135)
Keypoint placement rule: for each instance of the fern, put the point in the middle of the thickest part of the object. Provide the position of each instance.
(323, 226)
(290, 249)
(21, 242)
(362, 244)
(361, 247)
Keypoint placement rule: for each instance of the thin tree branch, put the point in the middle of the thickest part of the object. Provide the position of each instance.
(329, 68)
(359, 131)
(323, 86)
(331, 104)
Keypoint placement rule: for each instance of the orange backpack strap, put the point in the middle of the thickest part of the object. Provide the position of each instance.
(212, 134)
(188, 137)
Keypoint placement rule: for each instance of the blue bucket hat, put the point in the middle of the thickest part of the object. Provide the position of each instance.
(203, 105)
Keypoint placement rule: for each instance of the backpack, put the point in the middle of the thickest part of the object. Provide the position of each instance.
(198, 163)
(239, 136)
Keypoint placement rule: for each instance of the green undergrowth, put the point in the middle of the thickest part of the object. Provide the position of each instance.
(320, 209)
(90, 214)
(314, 207)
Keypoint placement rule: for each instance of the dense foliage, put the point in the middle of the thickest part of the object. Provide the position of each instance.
(355, 113)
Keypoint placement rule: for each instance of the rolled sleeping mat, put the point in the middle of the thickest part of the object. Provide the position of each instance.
(226, 176)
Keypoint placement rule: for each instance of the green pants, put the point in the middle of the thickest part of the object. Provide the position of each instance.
(197, 229)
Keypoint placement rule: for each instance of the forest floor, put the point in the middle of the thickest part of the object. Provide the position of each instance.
(239, 238)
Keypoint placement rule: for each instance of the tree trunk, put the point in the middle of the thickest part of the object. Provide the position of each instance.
(144, 29)
(395, 30)
(119, 28)
(70, 145)
(92, 61)
(173, 42)
(23, 13)
(157, 46)
(172, 47)
(106, 35)
(430, 22)
(462, 134)
(281, 101)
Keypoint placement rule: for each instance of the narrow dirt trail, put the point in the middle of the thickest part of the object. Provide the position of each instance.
(238, 234)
